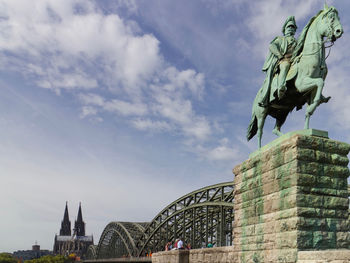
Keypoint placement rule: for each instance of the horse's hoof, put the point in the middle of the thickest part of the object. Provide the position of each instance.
(277, 132)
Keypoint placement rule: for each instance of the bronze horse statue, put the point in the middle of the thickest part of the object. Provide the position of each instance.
(305, 79)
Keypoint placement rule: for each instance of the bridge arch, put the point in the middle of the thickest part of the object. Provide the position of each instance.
(118, 239)
(91, 252)
(200, 217)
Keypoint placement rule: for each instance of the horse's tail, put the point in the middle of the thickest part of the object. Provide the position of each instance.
(253, 127)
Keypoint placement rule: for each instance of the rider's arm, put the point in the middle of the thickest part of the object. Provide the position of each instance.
(274, 49)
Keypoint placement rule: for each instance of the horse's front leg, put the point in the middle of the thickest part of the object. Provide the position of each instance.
(315, 86)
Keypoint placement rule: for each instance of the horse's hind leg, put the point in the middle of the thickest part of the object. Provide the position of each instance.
(279, 122)
(261, 122)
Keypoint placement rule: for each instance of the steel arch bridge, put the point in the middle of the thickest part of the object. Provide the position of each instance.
(119, 239)
(200, 217)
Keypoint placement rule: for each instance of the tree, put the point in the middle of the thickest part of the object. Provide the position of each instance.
(50, 259)
(7, 258)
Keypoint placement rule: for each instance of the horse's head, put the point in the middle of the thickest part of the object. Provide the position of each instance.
(330, 26)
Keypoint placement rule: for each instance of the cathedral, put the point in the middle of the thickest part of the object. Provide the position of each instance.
(77, 242)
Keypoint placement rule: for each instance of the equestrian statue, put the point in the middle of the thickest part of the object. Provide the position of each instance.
(295, 71)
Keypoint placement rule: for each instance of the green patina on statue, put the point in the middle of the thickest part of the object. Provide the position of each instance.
(295, 71)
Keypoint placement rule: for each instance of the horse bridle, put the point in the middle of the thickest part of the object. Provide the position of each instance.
(331, 27)
(327, 40)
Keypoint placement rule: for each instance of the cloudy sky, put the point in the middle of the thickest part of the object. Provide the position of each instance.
(128, 105)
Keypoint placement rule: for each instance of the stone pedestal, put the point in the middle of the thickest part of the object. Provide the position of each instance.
(290, 196)
(172, 256)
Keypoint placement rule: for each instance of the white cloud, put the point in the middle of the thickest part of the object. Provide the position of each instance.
(184, 79)
(85, 50)
(199, 128)
(88, 111)
(92, 99)
(221, 150)
(167, 101)
(71, 81)
(177, 110)
(114, 105)
(180, 111)
(125, 108)
(223, 153)
(147, 124)
(64, 45)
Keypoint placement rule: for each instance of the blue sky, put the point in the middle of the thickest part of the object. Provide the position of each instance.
(128, 105)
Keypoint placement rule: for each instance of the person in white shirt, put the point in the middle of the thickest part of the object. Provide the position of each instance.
(180, 244)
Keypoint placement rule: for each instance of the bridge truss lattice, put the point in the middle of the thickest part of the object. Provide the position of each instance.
(119, 239)
(200, 217)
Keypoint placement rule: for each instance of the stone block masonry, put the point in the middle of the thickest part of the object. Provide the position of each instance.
(172, 256)
(324, 256)
(203, 255)
(292, 195)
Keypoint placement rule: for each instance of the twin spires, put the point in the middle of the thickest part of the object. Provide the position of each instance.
(79, 225)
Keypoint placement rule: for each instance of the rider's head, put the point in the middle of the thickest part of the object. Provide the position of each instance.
(289, 26)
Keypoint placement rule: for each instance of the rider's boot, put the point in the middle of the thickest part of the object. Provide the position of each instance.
(282, 91)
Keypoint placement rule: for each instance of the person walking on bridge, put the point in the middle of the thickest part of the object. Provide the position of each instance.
(180, 244)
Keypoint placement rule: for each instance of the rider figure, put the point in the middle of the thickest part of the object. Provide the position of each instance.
(278, 61)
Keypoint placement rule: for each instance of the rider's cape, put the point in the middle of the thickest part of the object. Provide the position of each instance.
(270, 67)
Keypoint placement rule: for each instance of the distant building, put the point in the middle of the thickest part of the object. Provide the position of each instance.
(31, 254)
(36, 247)
(77, 243)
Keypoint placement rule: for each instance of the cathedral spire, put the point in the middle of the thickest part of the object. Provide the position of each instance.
(79, 225)
(65, 224)
(80, 216)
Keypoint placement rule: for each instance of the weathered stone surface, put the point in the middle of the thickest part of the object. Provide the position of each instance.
(205, 255)
(326, 256)
(173, 256)
(306, 148)
(268, 256)
(292, 196)
(213, 255)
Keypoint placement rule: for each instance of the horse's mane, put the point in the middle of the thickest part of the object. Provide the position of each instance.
(301, 38)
